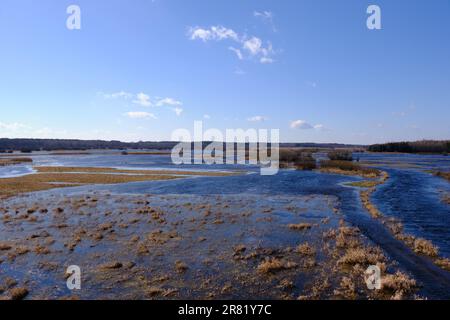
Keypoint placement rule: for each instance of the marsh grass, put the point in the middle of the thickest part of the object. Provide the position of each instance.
(45, 181)
(14, 161)
(60, 177)
(445, 175)
(348, 168)
(300, 159)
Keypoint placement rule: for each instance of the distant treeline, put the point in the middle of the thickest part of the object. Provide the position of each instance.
(29, 145)
(425, 146)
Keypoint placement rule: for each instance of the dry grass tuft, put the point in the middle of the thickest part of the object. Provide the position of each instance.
(362, 256)
(181, 266)
(305, 249)
(398, 283)
(273, 265)
(300, 226)
(18, 293)
(425, 247)
(444, 263)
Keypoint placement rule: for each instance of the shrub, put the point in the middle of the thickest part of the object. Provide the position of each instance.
(340, 155)
(300, 158)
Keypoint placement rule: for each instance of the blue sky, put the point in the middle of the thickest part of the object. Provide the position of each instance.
(139, 69)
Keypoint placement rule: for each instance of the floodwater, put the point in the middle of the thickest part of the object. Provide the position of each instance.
(411, 195)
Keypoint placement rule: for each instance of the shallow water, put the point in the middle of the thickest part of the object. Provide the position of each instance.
(411, 195)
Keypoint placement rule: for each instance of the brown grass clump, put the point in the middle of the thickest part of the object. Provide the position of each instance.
(346, 289)
(363, 256)
(445, 175)
(425, 247)
(273, 265)
(4, 246)
(300, 226)
(398, 283)
(112, 265)
(347, 237)
(180, 266)
(305, 249)
(444, 263)
(18, 293)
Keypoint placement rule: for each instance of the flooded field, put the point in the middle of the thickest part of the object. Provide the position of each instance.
(295, 235)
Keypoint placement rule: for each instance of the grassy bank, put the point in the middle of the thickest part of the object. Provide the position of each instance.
(60, 177)
(348, 168)
(14, 161)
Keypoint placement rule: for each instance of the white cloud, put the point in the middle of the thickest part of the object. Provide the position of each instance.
(303, 125)
(238, 52)
(257, 119)
(265, 60)
(142, 99)
(213, 33)
(300, 124)
(319, 127)
(178, 111)
(206, 116)
(116, 95)
(140, 115)
(168, 102)
(253, 46)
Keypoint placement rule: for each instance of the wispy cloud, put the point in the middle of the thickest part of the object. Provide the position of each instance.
(178, 111)
(140, 115)
(13, 126)
(253, 46)
(168, 102)
(143, 100)
(116, 95)
(267, 17)
(257, 119)
(237, 52)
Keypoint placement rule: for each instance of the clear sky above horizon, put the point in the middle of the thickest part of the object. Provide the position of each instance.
(138, 70)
